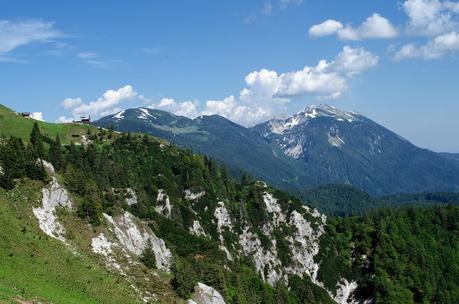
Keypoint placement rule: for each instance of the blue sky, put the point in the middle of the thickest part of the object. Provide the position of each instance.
(394, 61)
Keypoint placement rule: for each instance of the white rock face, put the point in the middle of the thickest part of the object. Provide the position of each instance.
(53, 196)
(223, 220)
(163, 204)
(134, 237)
(190, 196)
(304, 245)
(49, 168)
(204, 294)
(131, 199)
(344, 291)
(223, 217)
(334, 139)
(196, 229)
(263, 259)
(273, 208)
(101, 245)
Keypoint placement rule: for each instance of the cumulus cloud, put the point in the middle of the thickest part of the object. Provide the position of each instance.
(265, 95)
(110, 102)
(267, 92)
(430, 17)
(353, 61)
(64, 119)
(436, 48)
(374, 27)
(16, 34)
(186, 108)
(325, 28)
(435, 19)
(70, 103)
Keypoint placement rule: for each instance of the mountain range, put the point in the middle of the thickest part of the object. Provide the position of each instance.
(108, 217)
(317, 146)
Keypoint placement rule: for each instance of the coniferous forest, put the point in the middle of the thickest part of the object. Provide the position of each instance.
(403, 255)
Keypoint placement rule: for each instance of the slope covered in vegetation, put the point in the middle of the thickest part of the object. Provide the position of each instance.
(162, 220)
(13, 124)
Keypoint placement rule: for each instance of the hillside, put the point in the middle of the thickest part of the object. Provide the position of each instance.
(12, 124)
(168, 225)
(37, 267)
(239, 148)
(348, 148)
(345, 200)
(318, 146)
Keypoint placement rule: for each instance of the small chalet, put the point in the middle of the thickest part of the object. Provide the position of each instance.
(84, 120)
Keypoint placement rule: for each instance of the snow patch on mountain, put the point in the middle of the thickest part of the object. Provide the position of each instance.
(145, 114)
(281, 126)
(119, 115)
(163, 204)
(53, 196)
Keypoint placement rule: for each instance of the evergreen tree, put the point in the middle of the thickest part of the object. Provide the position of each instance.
(184, 277)
(55, 153)
(148, 256)
(36, 139)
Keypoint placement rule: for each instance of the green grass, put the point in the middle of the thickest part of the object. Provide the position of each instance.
(12, 124)
(35, 266)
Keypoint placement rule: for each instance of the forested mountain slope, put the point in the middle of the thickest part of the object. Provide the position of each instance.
(239, 148)
(348, 148)
(320, 145)
(169, 225)
(345, 200)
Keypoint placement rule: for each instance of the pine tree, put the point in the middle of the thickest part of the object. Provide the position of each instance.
(55, 153)
(148, 256)
(36, 139)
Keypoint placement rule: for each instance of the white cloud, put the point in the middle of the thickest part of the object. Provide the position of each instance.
(267, 9)
(70, 103)
(326, 28)
(87, 55)
(374, 27)
(265, 95)
(64, 119)
(430, 17)
(354, 61)
(268, 92)
(16, 34)
(436, 48)
(110, 102)
(285, 3)
(186, 108)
